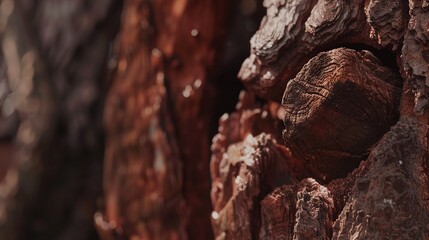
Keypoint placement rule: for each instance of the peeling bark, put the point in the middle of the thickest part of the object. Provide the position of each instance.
(247, 172)
(415, 52)
(245, 166)
(300, 211)
(388, 20)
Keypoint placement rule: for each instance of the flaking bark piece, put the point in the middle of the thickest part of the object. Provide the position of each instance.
(415, 53)
(315, 208)
(299, 211)
(337, 107)
(249, 118)
(278, 213)
(390, 201)
(388, 21)
(249, 135)
(247, 172)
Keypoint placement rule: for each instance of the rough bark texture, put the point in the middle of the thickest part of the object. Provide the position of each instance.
(349, 79)
(140, 139)
(300, 211)
(278, 213)
(388, 20)
(294, 31)
(415, 52)
(248, 171)
(348, 99)
(314, 209)
(245, 166)
(389, 201)
(339, 107)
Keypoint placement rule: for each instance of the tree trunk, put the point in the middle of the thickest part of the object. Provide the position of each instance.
(109, 111)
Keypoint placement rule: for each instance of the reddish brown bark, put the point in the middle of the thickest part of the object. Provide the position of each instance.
(158, 114)
(339, 107)
(349, 79)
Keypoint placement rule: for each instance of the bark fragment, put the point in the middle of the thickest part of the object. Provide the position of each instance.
(388, 21)
(341, 188)
(248, 171)
(415, 53)
(337, 107)
(300, 211)
(245, 166)
(315, 208)
(278, 213)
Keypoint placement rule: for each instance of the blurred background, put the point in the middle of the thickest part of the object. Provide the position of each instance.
(107, 111)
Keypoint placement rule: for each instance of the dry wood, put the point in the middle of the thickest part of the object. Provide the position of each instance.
(248, 171)
(245, 166)
(352, 162)
(299, 211)
(278, 213)
(415, 53)
(337, 107)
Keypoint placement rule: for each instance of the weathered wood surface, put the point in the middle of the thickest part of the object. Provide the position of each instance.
(352, 161)
(339, 105)
(390, 199)
(142, 171)
(415, 52)
(278, 210)
(245, 166)
(292, 32)
(300, 211)
(248, 171)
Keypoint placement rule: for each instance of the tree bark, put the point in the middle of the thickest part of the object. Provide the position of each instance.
(108, 124)
(339, 107)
